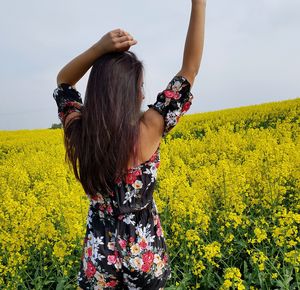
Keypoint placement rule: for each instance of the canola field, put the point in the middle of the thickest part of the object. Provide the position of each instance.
(228, 195)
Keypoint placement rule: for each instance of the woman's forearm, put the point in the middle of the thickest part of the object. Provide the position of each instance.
(117, 40)
(73, 71)
(194, 43)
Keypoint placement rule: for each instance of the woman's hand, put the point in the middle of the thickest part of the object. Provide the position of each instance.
(115, 40)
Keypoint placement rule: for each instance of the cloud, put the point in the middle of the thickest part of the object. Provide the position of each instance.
(250, 53)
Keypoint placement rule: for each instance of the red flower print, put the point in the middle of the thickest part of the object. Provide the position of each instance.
(148, 257)
(165, 258)
(186, 106)
(111, 283)
(111, 259)
(145, 267)
(143, 244)
(90, 270)
(137, 172)
(171, 94)
(131, 239)
(130, 178)
(153, 157)
(121, 216)
(122, 244)
(157, 164)
(89, 251)
(159, 230)
(109, 209)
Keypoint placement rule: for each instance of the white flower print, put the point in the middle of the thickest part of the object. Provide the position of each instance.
(99, 257)
(171, 118)
(146, 205)
(138, 184)
(100, 278)
(137, 263)
(89, 218)
(160, 264)
(133, 245)
(152, 172)
(167, 102)
(154, 205)
(160, 104)
(101, 214)
(129, 219)
(98, 199)
(98, 241)
(135, 249)
(148, 185)
(118, 264)
(178, 89)
(157, 258)
(130, 285)
(111, 246)
(133, 287)
(129, 195)
(158, 272)
(176, 86)
(91, 247)
(144, 232)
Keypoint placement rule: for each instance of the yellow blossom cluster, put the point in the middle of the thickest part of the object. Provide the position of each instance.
(43, 208)
(232, 279)
(227, 193)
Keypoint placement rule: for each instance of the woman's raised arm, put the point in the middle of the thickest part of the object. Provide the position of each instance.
(194, 43)
(115, 40)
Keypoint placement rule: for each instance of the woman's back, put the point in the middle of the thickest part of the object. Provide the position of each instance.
(124, 245)
(124, 225)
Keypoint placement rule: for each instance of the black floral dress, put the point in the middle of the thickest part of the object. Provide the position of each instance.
(124, 245)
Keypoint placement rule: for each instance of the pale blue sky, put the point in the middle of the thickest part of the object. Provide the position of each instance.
(251, 51)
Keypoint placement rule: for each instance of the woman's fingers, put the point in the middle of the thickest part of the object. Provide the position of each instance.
(126, 43)
(121, 39)
(120, 32)
(125, 38)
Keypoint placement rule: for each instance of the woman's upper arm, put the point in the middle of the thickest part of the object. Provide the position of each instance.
(154, 123)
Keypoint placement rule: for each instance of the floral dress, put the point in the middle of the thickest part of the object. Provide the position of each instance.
(124, 245)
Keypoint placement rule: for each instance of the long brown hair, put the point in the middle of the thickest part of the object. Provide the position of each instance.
(100, 142)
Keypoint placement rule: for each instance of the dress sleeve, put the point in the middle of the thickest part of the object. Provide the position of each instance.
(173, 102)
(68, 100)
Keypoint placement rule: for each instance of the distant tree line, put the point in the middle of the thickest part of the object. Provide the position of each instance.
(56, 126)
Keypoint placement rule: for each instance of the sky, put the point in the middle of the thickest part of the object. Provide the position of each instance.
(251, 51)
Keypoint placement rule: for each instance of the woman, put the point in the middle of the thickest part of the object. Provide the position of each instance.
(113, 148)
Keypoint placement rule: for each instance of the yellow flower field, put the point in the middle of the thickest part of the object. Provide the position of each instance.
(228, 194)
